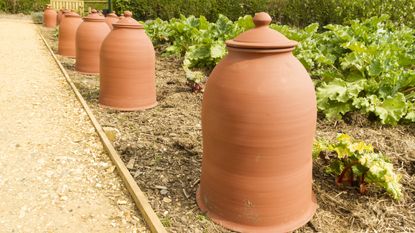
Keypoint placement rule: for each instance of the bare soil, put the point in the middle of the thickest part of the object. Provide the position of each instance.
(162, 149)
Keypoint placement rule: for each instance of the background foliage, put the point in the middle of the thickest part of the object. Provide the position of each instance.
(22, 6)
(292, 12)
(28, 6)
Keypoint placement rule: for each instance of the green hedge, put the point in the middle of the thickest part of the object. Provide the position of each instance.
(22, 6)
(293, 12)
(166, 9)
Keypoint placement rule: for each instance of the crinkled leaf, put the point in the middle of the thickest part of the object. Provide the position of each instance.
(361, 158)
(411, 112)
(392, 109)
(218, 50)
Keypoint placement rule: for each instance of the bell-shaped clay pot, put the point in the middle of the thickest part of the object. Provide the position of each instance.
(67, 34)
(59, 16)
(258, 122)
(111, 18)
(49, 17)
(127, 67)
(64, 12)
(89, 37)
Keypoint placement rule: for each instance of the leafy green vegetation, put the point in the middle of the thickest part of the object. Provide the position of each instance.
(365, 66)
(357, 163)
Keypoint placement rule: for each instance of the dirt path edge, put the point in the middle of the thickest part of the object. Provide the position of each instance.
(138, 196)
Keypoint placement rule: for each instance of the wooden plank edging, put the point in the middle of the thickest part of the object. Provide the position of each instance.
(138, 196)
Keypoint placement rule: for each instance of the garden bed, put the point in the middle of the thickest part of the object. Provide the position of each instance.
(162, 149)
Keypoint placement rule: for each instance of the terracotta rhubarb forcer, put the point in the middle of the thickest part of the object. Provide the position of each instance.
(64, 12)
(59, 16)
(111, 18)
(67, 34)
(49, 17)
(89, 37)
(127, 67)
(258, 122)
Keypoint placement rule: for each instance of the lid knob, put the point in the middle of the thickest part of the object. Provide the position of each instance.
(93, 11)
(128, 14)
(262, 19)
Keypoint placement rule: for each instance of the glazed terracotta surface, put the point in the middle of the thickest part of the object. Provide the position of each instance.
(258, 122)
(49, 17)
(127, 68)
(89, 37)
(67, 34)
(111, 18)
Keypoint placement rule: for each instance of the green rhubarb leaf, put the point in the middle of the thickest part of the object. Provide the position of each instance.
(367, 165)
(218, 50)
(392, 109)
(381, 173)
(335, 110)
(375, 68)
(335, 98)
(312, 28)
(411, 112)
(335, 90)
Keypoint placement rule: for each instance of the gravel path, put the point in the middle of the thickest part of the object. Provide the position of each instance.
(54, 173)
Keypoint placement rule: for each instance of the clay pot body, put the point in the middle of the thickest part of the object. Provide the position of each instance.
(111, 18)
(258, 122)
(89, 37)
(49, 17)
(59, 16)
(64, 12)
(127, 68)
(67, 34)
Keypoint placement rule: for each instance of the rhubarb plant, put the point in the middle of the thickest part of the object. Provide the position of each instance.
(365, 66)
(357, 163)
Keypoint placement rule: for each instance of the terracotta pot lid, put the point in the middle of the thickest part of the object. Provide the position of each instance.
(128, 22)
(112, 15)
(72, 14)
(94, 17)
(261, 37)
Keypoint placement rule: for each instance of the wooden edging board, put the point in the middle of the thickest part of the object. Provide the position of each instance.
(138, 196)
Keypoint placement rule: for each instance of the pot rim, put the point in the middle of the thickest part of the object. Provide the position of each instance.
(122, 109)
(291, 226)
(244, 45)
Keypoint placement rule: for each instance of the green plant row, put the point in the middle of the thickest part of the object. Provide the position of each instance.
(365, 66)
(291, 12)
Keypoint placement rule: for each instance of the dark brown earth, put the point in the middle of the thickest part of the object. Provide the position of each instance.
(162, 149)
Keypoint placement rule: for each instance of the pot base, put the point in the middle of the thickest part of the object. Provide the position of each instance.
(87, 73)
(308, 215)
(72, 57)
(129, 109)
